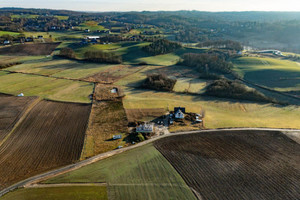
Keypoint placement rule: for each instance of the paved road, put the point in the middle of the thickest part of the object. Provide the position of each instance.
(41, 177)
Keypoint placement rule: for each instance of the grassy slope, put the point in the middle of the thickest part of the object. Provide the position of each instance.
(51, 88)
(9, 33)
(60, 68)
(282, 75)
(62, 193)
(141, 173)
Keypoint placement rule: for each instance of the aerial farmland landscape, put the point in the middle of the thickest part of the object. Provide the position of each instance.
(173, 100)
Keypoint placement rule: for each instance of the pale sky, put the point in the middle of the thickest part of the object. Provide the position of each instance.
(154, 5)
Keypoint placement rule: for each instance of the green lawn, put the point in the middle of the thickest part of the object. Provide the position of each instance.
(282, 75)
(141, 173)
(190, 85)
(61, 193)
(50, 88)
(28, 16)
(60, 17)
(9, 33)
(60, 68)
(92, 25)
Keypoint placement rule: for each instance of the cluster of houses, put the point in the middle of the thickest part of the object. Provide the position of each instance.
(178, 114)
(23, 40)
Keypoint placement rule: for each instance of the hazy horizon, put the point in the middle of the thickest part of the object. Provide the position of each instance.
(156, 5)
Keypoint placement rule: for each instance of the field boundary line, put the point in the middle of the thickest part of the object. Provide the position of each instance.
(50, 174)
(65, 185)
(25, 114)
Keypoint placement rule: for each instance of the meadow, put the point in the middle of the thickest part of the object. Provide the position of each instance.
(45, 87)
(281, 75)
(141, 173)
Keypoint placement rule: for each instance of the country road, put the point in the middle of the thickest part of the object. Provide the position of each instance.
(292, 133)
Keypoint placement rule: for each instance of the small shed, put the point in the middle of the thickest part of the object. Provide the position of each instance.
(21, 95)
(116, 137)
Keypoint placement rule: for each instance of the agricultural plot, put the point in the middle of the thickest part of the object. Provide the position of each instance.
(281, 75)
(46, 87)
(219, 113)
(141, 173)
(91, 25)
(114, 73)
(107, 92)
(50, 136)
(107, 119)
(61, 68)
(61, 193)
(187, 85)
(134, 115)
(11, 110)
(236, 164)
(29, 49)
(9, 33)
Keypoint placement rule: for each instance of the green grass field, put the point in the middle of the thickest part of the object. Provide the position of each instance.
(141, 173)
(60, 68)
(45, 87)
(220, 113)
(9, 33)
(92, 25)
(282, 75)
(190, 85)
(27, 16)
(61, 193)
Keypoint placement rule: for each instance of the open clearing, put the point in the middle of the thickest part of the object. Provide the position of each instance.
(11, 110)
(50, 136)
(107, 119)
(45, 87)
(29, 49)
(236, 164)
(282, 75)
(141, 173)
(61, 193)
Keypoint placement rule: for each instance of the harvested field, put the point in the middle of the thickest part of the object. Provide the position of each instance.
(29, 49)
(113, 74)
(107, 119)
(236, 164)
(108, 92)
(11, 110)
(134, 115)
(50, 136)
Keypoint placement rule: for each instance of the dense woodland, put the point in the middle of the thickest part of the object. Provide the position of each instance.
(225, 88)
(162, 46)
(159, 82)
(102, 57)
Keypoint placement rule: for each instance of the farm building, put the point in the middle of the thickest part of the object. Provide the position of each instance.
(116, 137)
(6, 42)
(179, 112)
(145, 128)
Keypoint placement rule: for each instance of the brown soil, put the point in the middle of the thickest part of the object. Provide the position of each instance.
(236, 164)
(11, 110)
(103, 92)
(134, 115)
(107, 119)
(29, 49)
(50, 136)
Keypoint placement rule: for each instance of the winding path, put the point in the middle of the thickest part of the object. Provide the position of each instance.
(292, 133)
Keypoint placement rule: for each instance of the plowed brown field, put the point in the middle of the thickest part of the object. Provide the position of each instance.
(51, 135)
(236, 164)
(11, 109)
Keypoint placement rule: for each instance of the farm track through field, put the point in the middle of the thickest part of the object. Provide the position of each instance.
(51, 135)
(72, 167)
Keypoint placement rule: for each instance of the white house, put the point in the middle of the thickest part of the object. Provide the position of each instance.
(179, 112)
(6, 42)
(116, 137)
(145, 128)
